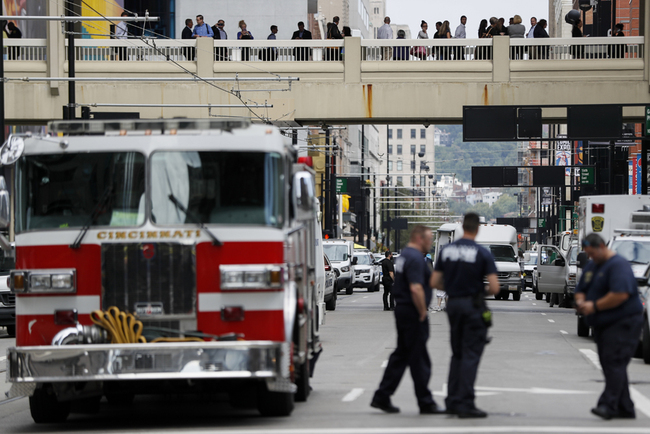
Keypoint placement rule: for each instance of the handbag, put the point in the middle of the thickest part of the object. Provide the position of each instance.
(420, 52)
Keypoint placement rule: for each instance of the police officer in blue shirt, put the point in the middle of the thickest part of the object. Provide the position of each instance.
(608, 297)
(412, 293)
(461, 270)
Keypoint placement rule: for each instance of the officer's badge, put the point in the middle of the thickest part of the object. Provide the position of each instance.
(588, 276)
(597, 224)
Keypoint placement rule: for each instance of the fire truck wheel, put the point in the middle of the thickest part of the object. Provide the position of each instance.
(349, 290)
(11, 330)
(516, 296)
(273, 404)
(46, 408)
(302, 381)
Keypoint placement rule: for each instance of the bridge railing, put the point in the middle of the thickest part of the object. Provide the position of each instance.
(577, 48)
(425, 49)
(162, 50)
(25, 49)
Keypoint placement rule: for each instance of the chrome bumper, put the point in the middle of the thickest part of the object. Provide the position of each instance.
(188, 360)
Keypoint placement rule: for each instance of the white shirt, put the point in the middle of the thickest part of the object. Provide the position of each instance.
(120, 30)
(531, 32)
(460, 32)
(385, 32)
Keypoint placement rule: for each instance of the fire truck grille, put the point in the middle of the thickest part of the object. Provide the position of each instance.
(150, 279)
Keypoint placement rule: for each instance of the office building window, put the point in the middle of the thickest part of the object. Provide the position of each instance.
(423, 148)
(390, 133)
(399, 180)
(399, 165)
(412, 164)
(423, 181)
(423, 133)
(399, 133)
(390, 165)
(413, 133)
(390, 149)
(399, 149)
(412, 149)
(413, 181)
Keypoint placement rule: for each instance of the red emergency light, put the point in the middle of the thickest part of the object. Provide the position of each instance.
(306, 160)
(598, 208)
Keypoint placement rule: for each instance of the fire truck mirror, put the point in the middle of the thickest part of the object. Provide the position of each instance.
(303, 196)
(5, 218)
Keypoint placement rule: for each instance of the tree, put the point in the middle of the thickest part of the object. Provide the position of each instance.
(504, 205)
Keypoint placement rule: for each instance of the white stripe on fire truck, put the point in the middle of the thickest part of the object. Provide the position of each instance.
(84, 304)
(213, 302)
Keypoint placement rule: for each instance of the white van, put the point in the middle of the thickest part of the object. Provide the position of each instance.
(339, 252)
(501, 241)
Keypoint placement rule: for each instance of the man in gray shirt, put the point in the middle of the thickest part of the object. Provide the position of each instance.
(459, 52)
(386, 32)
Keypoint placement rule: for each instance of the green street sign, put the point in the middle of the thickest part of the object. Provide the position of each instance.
(587, 175)
(341, 185)
(541, 223)
(647, 121)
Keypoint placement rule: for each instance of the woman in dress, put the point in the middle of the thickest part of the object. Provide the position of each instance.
(421, 52)
(444, 33)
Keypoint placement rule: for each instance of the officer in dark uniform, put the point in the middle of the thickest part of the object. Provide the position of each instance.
(412, 297)
(608, 297)
(388, 278)
(461, 270)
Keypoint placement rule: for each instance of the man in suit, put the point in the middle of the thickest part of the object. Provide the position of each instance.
(301, 53)
(187, 34)
(220, 53)
(333, 32)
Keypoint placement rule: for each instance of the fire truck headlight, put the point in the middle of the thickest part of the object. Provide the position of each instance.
(40, 281)
(251, 277)
(62, 281)
(50, 281)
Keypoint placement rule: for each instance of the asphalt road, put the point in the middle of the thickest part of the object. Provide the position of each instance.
(536, 375)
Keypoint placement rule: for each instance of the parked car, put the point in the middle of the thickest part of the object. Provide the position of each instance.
(365, 271)
(529, 268)
(339, 253)
(644, 340)
(330, 285)
(7, 299)
(552, 272)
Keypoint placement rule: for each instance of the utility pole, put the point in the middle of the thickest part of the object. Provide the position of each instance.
(326, 185)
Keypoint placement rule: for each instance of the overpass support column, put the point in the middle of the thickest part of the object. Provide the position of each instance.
(501, 59)
(55, 45)
(205, 57)
(352, 60)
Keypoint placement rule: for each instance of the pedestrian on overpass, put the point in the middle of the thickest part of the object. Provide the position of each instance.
(607, 295)
(461, 270)
(412, 297)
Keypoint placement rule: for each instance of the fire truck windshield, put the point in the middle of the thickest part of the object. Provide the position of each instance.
(218, 188)
(65, 190)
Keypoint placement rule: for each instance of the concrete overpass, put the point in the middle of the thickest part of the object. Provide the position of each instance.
(357, 86)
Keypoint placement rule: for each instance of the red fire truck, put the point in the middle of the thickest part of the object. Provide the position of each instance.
(157, 256)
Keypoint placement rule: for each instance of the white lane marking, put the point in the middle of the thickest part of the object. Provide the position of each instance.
(551, 320)
(434, 430)
(544, 314)
(534, 304)
(384, 363)
(564, 332)
(3, 358)
(354, 301)
(534, 390)
(641, 402)
(354, 394)
(592, 357)
(365, 296)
